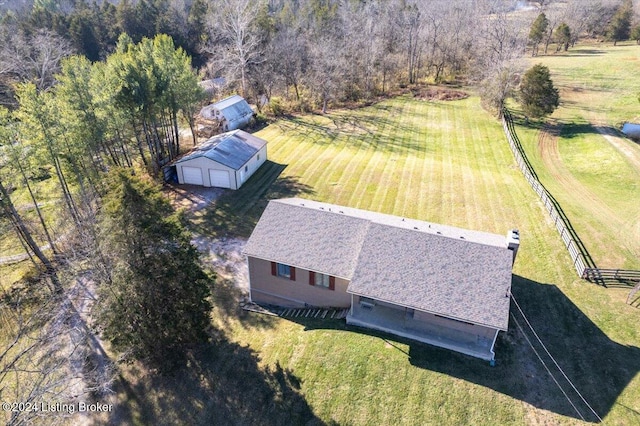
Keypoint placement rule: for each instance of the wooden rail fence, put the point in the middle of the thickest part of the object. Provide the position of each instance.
(582, 261)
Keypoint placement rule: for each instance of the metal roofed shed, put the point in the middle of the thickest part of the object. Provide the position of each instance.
(225, 161)
(230, 113)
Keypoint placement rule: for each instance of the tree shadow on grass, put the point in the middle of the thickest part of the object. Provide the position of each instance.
(375, 127)
(564, 129)
(580, 53)
(222, 384)
(599, 368)
(235, 213)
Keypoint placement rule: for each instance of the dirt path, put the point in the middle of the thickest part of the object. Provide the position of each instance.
(191, 197)
(548, 148)
(628, 232)
(618, 143)
(224, 255)
(226, 258)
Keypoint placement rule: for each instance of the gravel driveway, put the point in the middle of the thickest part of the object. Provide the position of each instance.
(224, 254)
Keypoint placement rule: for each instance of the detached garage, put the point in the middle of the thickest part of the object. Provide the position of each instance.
(224, 161)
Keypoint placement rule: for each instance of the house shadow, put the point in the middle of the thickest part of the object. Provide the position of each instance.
(222, 383)
(598, 367)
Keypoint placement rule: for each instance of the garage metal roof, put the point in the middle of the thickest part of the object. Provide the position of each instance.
(232, 149)
(233, 108)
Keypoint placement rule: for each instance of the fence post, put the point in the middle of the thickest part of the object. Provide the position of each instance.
(577, 255)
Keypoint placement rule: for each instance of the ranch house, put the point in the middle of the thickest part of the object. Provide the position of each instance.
(224, 161)
(436, 284)
(230, 113)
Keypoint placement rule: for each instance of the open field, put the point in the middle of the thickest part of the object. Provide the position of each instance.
(445, 162)
(580, 155)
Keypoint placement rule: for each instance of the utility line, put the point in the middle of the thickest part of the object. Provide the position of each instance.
(547, 368)
(552, 358)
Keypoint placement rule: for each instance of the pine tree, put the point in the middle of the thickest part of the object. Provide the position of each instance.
(620, 25)
(563, 36)
(537, 32)
(154, 304)
(635, 34)
(538, 96)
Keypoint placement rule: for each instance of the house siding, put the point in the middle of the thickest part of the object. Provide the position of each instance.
(228, 118)
(266, 288)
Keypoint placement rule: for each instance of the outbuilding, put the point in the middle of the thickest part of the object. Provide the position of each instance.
(230, 113)
(225, 161)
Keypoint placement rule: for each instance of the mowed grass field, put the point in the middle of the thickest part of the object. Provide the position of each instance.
(445, 162)
(583, 159)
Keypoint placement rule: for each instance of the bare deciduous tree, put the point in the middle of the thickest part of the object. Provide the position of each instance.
(34, 58)
(235, 40)
(498, 55)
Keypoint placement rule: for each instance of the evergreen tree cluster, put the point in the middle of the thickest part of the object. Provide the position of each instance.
(153, 303)
(88, 133)
(93, 27)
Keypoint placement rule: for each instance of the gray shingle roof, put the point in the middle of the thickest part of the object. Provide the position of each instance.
(308, 238)
(432, 273)
(448, 271)
(233, 149)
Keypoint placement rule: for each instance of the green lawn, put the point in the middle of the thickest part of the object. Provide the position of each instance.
(46, 193)
(445, 162)
(596, 182)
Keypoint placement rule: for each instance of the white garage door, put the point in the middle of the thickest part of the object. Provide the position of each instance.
(220, 178)
(192, 175)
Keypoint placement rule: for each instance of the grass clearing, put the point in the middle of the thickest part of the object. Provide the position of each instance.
(49, 202)
(445, 162)
(592, 171)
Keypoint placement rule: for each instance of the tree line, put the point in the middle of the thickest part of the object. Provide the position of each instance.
(308, 54)
(95, 92)
(87, 150)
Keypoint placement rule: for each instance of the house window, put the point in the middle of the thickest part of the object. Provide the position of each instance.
(258, 157)
(283, 271)
(367, 303)
(322, 280)
(246, 168)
